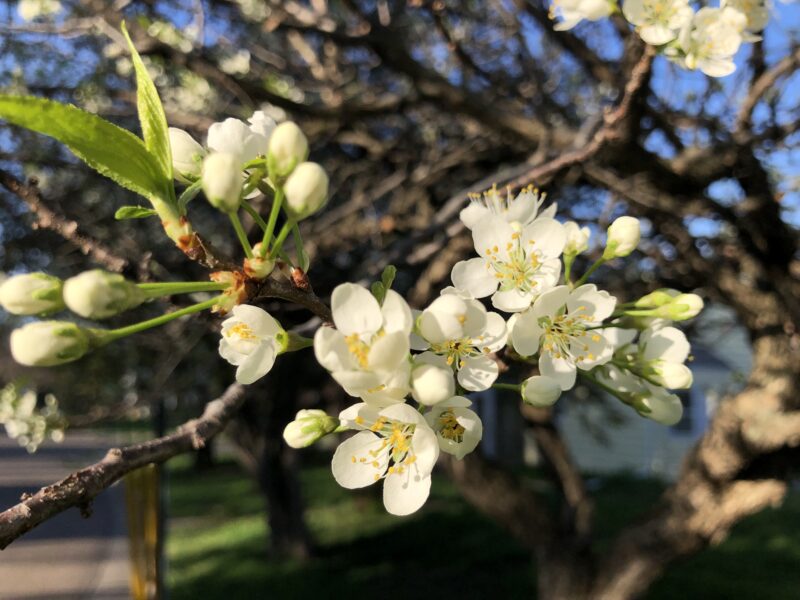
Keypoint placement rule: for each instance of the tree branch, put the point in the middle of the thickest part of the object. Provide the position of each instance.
(81, 487)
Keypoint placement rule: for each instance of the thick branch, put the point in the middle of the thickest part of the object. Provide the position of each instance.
(80, 488)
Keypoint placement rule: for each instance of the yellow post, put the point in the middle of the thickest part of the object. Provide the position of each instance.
(143, 506)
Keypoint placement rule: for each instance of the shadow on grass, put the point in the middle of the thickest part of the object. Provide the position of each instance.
(218, 539)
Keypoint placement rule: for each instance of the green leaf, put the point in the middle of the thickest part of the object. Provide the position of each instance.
(388, 275)
(108, 149)
(133, 212)
(379, 291)
(151, 112)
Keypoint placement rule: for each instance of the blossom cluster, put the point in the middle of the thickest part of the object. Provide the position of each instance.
(410, 372)
(26, 421)
(706, 39)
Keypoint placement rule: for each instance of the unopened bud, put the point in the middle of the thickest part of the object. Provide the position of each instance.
(623, 237)
(288, 147)
(659, 405)
(48, 343)
(577, 238)
(671, 375)
(308, 427)
(222, 181)
(31, 294)
(187, 155)
(657, 298)
(258, 267)
(98, 294)
(540, 391)
(306, 190)
(686, 306)
(431, 383)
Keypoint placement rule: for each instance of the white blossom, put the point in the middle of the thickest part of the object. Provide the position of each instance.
(756, 14)
(306, 190)
(251, 340)
(711, 39)
(464, 333)
(396, 445)
(98, 294)
(458, 429)
(29, 10)
(522, 208)
(187, 155)
(368, 351)
(573, 12)
(48, 343)
(233, 136)
(658, 21)
(561, 326)
(516, 264)
(31, 294)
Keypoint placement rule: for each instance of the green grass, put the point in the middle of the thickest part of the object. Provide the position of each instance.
(217, 542)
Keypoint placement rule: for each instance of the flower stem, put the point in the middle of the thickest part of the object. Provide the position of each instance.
(273, 219)
(254, 214)
(298, 246)
(512, 387)
(278, 244)
(568, 260)
(600, 261)
(115, 334)
(237, 226)
(169, 288)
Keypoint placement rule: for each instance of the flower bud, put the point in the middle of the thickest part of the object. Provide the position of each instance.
(431, 384)
(659, 405)
(98, 294)
(187, 155)
(31, 294)
(288, 147)
(657, 298)
(671, 375)
(258, 267)
(623, 237)
(306, 190)
(577, 238)
(308, 427)
(540, 391)
(685, 306)
(222, 181)
(48, 343)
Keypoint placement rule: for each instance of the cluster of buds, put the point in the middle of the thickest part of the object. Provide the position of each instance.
(240, 160)
(94, 295)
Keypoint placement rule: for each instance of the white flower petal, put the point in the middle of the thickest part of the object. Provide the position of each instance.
(560, 369)
(546, 236)
(512, 300)
(396, 313)
(478, 373)
(550, 302)
(491, 237)
(587, 300)
(355, 310)
(404, 494)
(349, 470)
(474, 276)
(331, 350)
(388, 351)
(526, 333)
(257, 364)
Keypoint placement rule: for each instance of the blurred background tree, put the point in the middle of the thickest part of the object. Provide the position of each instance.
(410, 105)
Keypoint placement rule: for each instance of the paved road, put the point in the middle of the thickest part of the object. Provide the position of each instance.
(67, 557)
